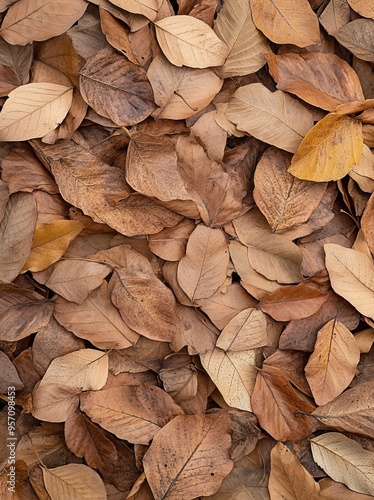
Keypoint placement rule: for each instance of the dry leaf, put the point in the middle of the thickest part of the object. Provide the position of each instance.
(203, 270)
(283, 24)
(181, 460)
(74, 481)
(9, 375)
(261, 113)
(357, 36)
(345, 461)
(332, 365)
(33, 110)
(329, 150)
(170, 243)
(335, 16)
(35, 20)
(15, 62)
(187, 41)
(135, 413)
(55, 402)
(147, 8)
(363, 8)
(246, 330)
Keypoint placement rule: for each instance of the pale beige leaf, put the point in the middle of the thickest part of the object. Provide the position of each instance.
(335, 16)
(273, 117)
(179, 377)
(363, 171)
(75, 482)
(345, 461)
(181, 92)
(285, 201)
(233, 373)
(9, 375)
(147, 8)
(247, 45)
(352, 411)
(86, 369)
(204, 268)
(37, 20)
(187, 41)
(284, 22)
(16, 233)
(365, 339)
(133, 412)
(33, 110)
(332, 365)
(189, 457)
(289, 480)
(352, 276)
(96, 320)
(246, 330)
(54, 402)
(50, 242)
(75, 279)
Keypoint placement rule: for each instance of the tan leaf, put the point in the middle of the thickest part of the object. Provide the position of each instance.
(8, 375)
(96, 319)
(275, 404)
(363, 171)
(233, 373)
(293, 302)
(288, 478)
(365, 339)
(357, 36)
(332, 365)
(22, 312)
(33, 110)
(54, 402)
(365, 9)
(335, 16)
(261, 113)
(145, 303)
(345, 461)
(75, 279)
(135, 413)
(285, 201)
(50, 242)
(204, 268)
(330, 490)
(189, 457)
(352, 276)
(187, 41)
(170, 243)
(283, 23)
(147, 8)
(116, 88)
(329, 150)
(37, 20)
(181, 92)
(352, 411)
(15, 62)
(323, 80)
(86, 369)
(117, 35)
(247, 46)
(246, 330)
(179, 378)
(74, 481)
(151, 168)
(16, 233)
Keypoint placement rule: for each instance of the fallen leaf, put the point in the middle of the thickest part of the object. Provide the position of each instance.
(135, 413)
(332, 365)
(9, 375)
(261, 113)
(147, 8)
(345, 461)
(357, 36)
(193, 42)
(362, 8)
(184, 446)
(15, 62)
(170, 243)
(335, 16)
(179, 378)
(54, 402)
(329, 150)
(246, 330)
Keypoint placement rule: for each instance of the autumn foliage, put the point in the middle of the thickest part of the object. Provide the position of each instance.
(186, 249)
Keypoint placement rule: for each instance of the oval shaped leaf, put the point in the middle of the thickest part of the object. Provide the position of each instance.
(147, 8)
(246, 330)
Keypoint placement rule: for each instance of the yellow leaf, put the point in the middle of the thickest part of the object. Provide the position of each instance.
(34, 110)
(50, 242)
(329, 150)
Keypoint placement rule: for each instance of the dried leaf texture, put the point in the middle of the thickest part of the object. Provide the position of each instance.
(246, 330)
(34, 110)
(285, 201)
(181, 461)
(188, 41)
(36, 20)
(332, 365)
(357, 36)
(261, 113)
(247, 45)
(147, 8)
(280, 21)
(15, 64)
(204, 268)
(363, 8)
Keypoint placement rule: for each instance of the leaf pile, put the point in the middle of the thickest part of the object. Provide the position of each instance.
(186, 248)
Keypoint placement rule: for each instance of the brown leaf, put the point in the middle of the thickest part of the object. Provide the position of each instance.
(357, 36)
(285, 201)
(55, 402)
(335, 16)
(9, 375)
(179, 378)
(244, 433)
(117, 35)
(135, 413)
(323, 80)
(181, 460)
(116, 88)
(15, 62)
(246, 330)
(170, 243)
